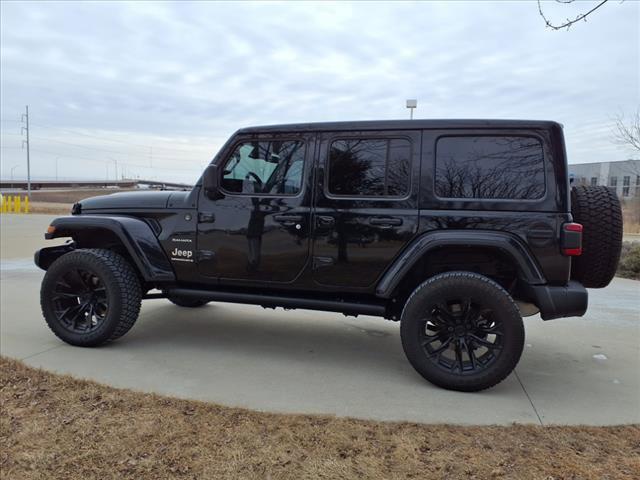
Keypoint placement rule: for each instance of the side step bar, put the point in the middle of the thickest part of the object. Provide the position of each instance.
(272, 301)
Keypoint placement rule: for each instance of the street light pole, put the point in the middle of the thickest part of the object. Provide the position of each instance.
(12, 169)
(116, 167)
(411, 105)
(57, 167)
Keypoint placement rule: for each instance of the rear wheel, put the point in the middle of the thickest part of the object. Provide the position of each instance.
(90, 297)
(462, 331)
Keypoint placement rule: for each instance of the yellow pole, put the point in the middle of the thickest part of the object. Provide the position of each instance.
(26, 204)
(17, 205)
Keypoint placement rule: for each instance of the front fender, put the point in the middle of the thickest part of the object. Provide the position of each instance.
(506, 243)
(136, 236)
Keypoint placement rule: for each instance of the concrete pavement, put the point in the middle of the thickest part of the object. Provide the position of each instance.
(573, 371)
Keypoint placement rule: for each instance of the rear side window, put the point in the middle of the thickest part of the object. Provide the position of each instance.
(369, 167)
(490, 167)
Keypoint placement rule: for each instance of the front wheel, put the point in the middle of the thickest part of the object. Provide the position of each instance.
(90, 297)
(462, 331)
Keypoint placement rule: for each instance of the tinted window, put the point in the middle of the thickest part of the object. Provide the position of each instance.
(368, 167)
(273, 167)
(489, 167)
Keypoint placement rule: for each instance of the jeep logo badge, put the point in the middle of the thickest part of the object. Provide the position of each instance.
(182, 255)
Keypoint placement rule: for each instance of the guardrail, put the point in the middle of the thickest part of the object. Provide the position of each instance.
(44, 184)
(14, 204)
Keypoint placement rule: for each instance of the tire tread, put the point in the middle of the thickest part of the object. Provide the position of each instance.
(127, 285)
(598, 210)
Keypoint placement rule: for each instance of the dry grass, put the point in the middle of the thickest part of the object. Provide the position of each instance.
(50, 208)
(631, 216)
(54, 426)
(631, 227)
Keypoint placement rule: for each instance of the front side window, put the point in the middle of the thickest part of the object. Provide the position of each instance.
(489, 167)
(265, 167)
(369, 167)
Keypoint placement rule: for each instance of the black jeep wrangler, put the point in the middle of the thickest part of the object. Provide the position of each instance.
(455, 228)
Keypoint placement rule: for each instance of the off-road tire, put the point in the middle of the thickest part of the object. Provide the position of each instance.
(598, 210)
(481, 291)
(123, 294)
(187, 302)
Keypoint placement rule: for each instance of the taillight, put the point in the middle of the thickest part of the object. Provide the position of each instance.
(571, 241)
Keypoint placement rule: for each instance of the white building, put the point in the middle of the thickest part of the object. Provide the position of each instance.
(622, 176)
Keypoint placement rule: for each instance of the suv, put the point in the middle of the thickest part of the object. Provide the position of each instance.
(455, 228)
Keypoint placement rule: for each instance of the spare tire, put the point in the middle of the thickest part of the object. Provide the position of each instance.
(598, 210)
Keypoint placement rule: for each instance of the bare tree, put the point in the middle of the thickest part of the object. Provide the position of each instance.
(628, 133)
(568, 22)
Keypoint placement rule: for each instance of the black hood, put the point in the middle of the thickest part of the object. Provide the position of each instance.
(134, 201)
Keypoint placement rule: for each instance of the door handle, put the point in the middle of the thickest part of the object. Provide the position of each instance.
(288, 219)
(325, 221)
(206, 217)
(385, 221)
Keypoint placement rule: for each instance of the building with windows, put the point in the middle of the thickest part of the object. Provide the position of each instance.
(622, 176)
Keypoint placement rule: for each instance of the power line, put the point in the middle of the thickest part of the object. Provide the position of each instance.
(76, 132)
(83, 146)
(115, 152)
(107, 161)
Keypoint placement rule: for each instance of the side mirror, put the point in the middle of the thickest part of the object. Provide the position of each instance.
(211, 182)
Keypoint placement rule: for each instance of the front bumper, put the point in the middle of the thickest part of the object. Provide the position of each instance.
(570, 300)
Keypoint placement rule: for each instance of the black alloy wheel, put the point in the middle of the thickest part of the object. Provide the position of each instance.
(80, 300)
(460, 336)
(462, 331)
(90, 297)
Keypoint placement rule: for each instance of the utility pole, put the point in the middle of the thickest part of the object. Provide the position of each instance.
(12, 169)
(115, 162)
(25, 118)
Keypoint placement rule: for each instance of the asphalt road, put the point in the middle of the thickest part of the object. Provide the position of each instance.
(573, 371)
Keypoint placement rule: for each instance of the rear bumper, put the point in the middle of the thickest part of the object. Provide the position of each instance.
(570, 300)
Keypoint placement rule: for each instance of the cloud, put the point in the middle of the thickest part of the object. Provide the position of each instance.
(190, 73)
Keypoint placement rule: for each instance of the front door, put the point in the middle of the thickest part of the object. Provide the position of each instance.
(367, 204)
(260, 229)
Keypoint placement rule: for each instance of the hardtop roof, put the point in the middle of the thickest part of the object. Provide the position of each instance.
(401, 125)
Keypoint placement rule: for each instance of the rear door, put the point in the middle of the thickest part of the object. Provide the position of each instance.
(366, 204)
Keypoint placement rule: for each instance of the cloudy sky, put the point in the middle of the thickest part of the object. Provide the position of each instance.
(156, 88)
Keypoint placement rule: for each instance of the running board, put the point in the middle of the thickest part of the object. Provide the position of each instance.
(272, 301)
